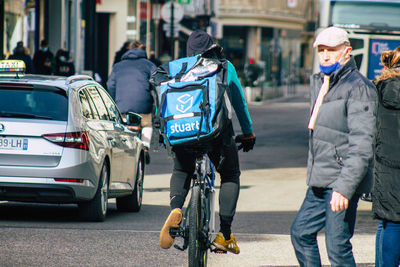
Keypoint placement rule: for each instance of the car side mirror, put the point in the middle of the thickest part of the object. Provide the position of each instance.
(133, 119)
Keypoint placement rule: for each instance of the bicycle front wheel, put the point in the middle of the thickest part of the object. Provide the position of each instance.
(197, 250)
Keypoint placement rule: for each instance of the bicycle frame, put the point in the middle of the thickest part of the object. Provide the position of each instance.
(203, 184)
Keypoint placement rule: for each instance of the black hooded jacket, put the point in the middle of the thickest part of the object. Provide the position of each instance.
(386, 192)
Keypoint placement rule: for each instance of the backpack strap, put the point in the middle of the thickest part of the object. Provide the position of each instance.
(205, 107)
(179, 75)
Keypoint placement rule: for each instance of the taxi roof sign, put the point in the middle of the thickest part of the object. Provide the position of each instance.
(12, 68)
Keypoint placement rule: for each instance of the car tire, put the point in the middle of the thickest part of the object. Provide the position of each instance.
(133, 202)
(96, 209)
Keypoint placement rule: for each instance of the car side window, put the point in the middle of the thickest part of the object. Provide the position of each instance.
(85, 106)
(111, 107)
(98, 102)
(92, 105)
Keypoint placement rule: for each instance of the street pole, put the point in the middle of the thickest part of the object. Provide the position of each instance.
(148, 10)
(172, 30)
(138, 20)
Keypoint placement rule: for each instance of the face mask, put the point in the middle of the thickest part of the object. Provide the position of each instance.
(62, 59)
(44, 49)
(331, 68)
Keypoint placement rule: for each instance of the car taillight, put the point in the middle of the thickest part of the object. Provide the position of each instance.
(68, 180)
(78, 140)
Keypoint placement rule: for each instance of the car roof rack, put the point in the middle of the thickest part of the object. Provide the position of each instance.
(75, 78)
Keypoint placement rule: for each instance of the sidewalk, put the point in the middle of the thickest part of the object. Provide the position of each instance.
(257, 94)
(270, 190)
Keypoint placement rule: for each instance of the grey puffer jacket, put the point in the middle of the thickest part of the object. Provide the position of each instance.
(341, 144)
(129, 83)
(386, 193)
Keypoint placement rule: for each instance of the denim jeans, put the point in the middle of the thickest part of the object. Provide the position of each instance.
(390, 244)
(378, 245)
(315, 214)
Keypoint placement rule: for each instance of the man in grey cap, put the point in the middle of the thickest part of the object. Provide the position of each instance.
(342, 130)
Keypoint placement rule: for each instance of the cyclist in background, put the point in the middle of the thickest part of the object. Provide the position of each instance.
(129, 86)
(224, 156)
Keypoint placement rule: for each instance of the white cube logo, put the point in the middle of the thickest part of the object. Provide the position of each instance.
(185, 103)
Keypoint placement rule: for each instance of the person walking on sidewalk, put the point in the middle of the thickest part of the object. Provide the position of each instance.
(43, 59)
(386, 192)
(129, 86)
(339, 169)
(223, 146)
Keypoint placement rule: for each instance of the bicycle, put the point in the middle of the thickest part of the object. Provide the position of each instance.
(198, 222)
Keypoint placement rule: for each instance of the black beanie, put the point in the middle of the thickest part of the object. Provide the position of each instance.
(199, 41)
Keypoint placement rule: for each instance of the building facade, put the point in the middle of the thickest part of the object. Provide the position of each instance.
(275, 35)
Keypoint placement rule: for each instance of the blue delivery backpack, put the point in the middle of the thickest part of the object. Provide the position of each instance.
(193, 101)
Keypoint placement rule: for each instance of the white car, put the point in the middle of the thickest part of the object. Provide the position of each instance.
(63, 140)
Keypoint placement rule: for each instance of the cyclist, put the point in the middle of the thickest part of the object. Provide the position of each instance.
(129, 86)
(224, 156)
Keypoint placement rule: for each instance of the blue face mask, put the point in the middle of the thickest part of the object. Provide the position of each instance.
(329, 69)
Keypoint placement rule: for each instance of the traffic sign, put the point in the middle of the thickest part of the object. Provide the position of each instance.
(167, 28)
(184, 2)
(170, 9)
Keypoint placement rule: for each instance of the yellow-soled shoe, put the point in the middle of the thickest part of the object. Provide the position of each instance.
(226, 245)
(174, 219)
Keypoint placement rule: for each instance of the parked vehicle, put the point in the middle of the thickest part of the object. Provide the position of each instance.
(63, 140)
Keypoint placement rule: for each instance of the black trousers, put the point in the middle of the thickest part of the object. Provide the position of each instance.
(184, 166)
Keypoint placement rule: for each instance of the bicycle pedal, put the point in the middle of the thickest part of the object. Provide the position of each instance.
(179, 247)
(175, 231)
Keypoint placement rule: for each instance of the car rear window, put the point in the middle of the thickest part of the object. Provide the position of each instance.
(47, 103)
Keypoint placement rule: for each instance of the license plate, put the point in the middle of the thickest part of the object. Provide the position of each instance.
(12, 143)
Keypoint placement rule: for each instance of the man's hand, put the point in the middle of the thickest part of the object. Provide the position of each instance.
(338, 202)
(247, 141)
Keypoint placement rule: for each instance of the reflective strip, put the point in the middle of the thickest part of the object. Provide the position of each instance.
(181, 116)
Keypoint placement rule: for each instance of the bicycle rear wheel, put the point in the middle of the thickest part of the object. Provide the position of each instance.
(197, 250)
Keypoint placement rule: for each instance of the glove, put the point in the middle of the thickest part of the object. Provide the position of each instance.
(247, 141)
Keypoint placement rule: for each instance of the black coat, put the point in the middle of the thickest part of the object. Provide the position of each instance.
(386, 192)
(42, 61)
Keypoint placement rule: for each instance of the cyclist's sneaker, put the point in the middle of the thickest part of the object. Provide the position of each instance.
(226, 245)
(174, 219)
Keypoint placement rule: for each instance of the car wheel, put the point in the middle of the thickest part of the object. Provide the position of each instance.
(96, 209)
(133, 202)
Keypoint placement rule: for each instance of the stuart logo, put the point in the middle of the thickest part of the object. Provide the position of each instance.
(184, 127)
(185, 103)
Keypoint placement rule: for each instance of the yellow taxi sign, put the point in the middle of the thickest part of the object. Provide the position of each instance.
(12, 68)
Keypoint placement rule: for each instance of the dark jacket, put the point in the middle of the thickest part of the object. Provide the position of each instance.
(386, 193)
(64, 68)
(129, 84)
(341, 144)
(43, 61)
